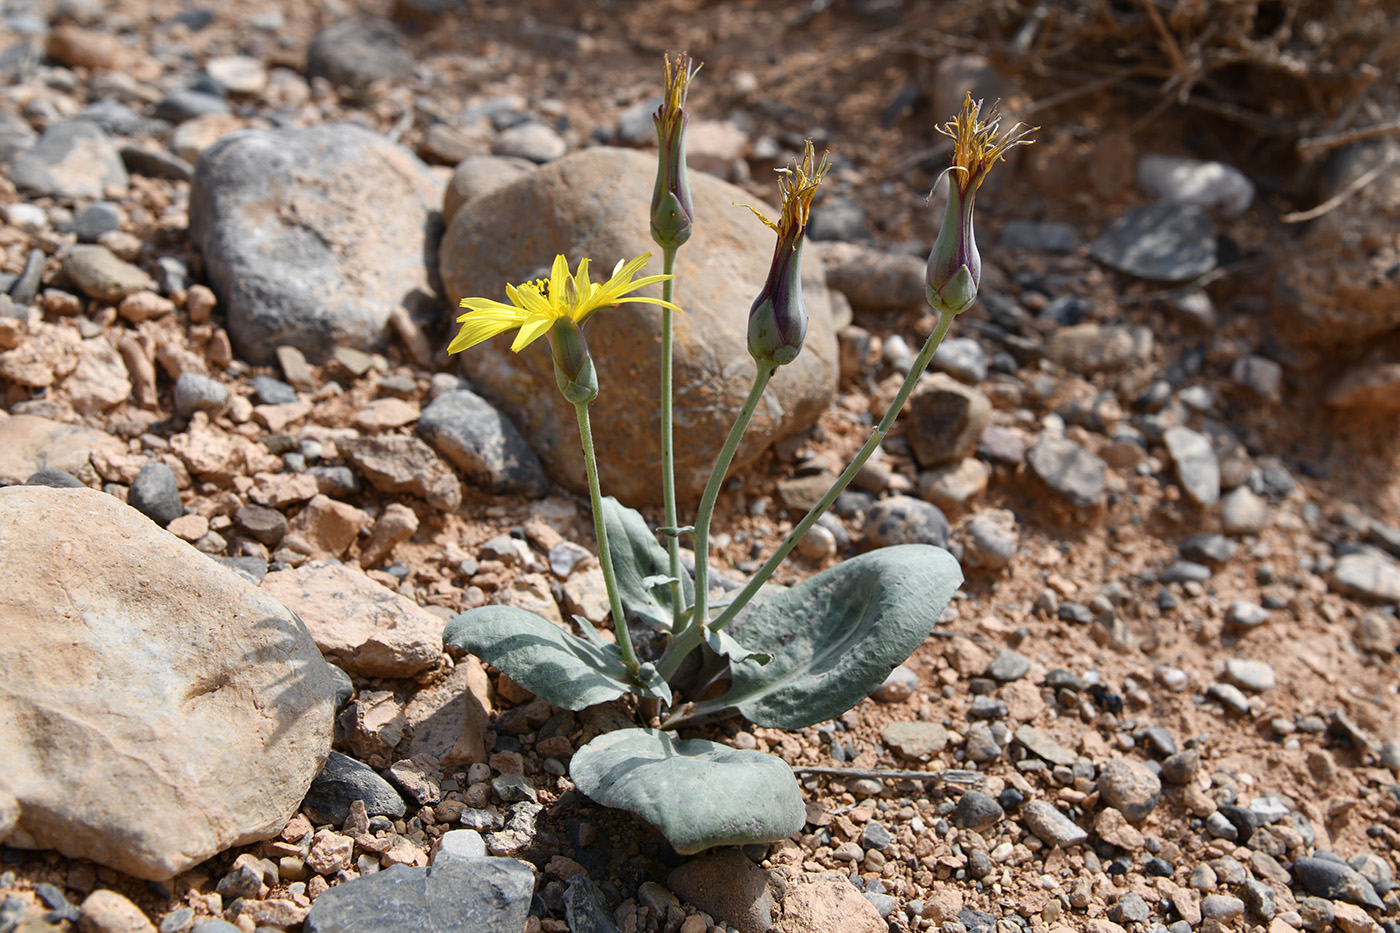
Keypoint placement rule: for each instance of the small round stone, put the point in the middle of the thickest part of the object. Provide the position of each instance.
(155, 493)
(976, 811)
(1129, 787)
(197, 392)
(898, 687)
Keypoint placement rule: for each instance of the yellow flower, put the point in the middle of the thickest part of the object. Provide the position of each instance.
(977, 145)
(535, 306)
(798, 185)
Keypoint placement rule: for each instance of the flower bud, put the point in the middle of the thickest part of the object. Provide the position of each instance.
(573, 365)
(777, 320)
(672, 211)
(954, 266)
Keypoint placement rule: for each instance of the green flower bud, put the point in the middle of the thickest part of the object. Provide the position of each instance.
(672, 211)
(954, 266)
(573, 365)
(778, 319)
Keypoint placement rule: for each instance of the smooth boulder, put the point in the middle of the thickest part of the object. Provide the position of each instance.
(596, 204)
(157, 708)
(312, 237)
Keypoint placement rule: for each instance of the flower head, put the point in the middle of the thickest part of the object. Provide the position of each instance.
(955, 266)
(978, 144)
(672, 212)
(535, 306)
(778, 320)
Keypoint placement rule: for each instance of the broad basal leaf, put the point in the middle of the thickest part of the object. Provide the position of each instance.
(697, 793)
(546, 660)
(836, 636)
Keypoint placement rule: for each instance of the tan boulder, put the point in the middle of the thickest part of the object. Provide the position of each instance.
(596, 204)
(157, 708)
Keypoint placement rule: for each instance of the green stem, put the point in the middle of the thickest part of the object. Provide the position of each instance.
(668, 453)
(590, 463)
(685, 639)
(945, 321)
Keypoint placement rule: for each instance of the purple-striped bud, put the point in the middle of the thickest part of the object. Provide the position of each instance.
(954, 266)
(672, 211)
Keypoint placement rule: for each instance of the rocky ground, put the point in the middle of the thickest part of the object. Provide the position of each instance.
(1162, 446)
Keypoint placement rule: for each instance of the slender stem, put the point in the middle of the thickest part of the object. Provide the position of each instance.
(686, 638)
(945, 321)
(668, 453)
(590, 463)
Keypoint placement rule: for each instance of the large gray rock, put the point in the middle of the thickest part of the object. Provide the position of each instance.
(157, 708)
(312, 237)
(455, 895)
(595, 204)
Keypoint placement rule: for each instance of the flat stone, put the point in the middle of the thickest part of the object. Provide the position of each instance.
(829, 902)
(1255, 676)
(447, 721)
(594, 203)
(455, 895)
(873, 279)
(1051, 826)
(1071, 472)
(1368, 575)
(29, 443)
(362, 626)
(1210, 185)
(1095, 348)
(1336, 880)
(105, 911)
(1008, 665)
(1043, 746)
(990, 540)
(1197, 466)
(71, 160)
(916, 740)
(399, 463)
(532, 141)
(1161, 242)
(1245, 614)
(313, 237)
(101, 275)
(205, 706)
(482, 444)
(1243, 513)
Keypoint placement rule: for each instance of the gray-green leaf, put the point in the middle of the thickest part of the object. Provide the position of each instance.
(546, 660)
(836, 636)
(696, 792)
(638, 562)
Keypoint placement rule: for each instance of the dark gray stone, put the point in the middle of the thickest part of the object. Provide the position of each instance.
(185, 104)
(1337, 880)
(156, 163)
(344, 686)
(586, 908)
(119, 119)
(71, 160)
(344, 780)
(1131, 908)
(352, 240)
(1069, 470)
(976, 811)
(962, 358)
(876, 836)
(156, 494)
(904, 520)
(1185, 571)
(52, 476)
(1162, 242)
(26, 287)
(356, 52)
(458, 895)
(482, 443)
(262, 524)
(94, 220)
(272, 391)
(1213, 549)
